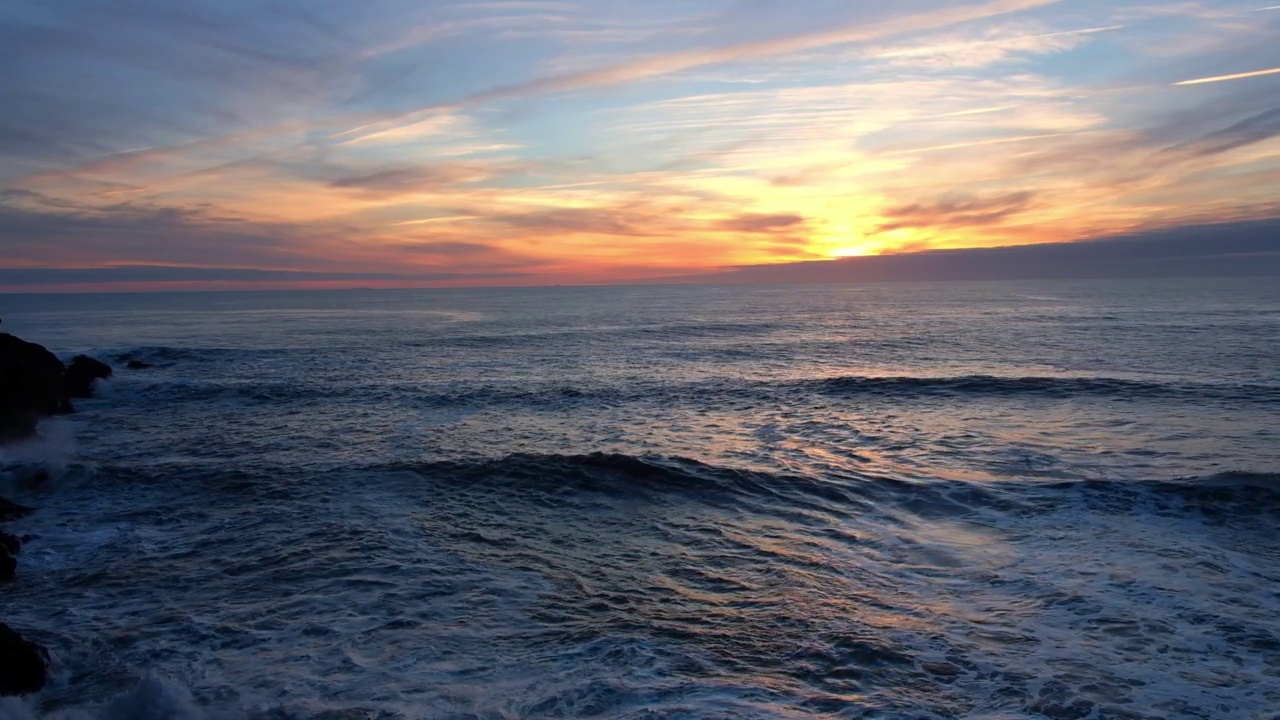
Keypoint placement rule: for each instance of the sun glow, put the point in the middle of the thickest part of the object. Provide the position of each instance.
(851, 251)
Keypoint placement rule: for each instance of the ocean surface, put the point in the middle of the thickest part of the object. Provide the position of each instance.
(1007, 500)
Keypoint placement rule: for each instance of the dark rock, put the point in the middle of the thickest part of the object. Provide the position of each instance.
(82, 373)
(31, 387)
(10, 510)
(10, 546)
(10, 543)
(138, 365)
(25, 664)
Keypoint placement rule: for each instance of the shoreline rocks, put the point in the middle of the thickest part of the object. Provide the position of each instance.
(31, 387)
(34, 384)
(82, 373)
(25, 664)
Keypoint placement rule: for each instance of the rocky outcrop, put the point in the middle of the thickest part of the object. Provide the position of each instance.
(34, 384)
(25, 664)
(31, 386)
(138, 365)
(83, 372)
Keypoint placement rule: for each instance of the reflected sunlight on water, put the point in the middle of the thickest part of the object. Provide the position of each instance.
(1050, 500)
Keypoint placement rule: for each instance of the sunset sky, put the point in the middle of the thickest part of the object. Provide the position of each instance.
(395, 142)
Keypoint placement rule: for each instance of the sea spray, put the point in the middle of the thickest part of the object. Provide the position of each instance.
(154, 697)
(50, 449)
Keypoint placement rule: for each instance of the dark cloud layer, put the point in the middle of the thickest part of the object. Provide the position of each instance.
(37, 277)
(763, 223)
(1224, 249)
(957, 211)
(38, 230)
(1254, 129)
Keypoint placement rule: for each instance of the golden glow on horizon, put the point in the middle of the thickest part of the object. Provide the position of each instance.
(851, 251)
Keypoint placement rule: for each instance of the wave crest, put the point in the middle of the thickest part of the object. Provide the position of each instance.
(1041, 386)
(1236, 493)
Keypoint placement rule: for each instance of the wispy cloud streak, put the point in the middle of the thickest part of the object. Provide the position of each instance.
(1236, 76)
(673, 62)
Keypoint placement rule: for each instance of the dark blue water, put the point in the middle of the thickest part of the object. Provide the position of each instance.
(1005, 500)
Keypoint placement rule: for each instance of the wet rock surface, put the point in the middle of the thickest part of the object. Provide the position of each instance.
(81, 375)
(25, 663)
(31, 387)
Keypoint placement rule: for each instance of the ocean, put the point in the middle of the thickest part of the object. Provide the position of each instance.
(968, 500)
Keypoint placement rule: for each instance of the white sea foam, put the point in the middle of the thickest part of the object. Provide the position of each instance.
(154, 697)
(53, 444)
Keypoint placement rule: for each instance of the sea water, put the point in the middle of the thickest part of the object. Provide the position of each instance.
(1006, 500)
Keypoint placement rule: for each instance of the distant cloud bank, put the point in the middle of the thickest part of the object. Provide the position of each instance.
(132, 275)
(1238, 249)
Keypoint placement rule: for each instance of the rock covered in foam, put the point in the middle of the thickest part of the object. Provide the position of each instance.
(25, 663)
(83, 372)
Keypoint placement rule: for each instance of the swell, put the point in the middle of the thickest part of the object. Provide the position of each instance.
(559, 394)
(163, 355)
(635, 477)
(1231, 493)
(418, 394)
(1226, 495)
(604, 473)
(1038, 386)
(665, 332)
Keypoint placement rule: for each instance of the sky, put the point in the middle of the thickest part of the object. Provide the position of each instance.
(326, 143)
